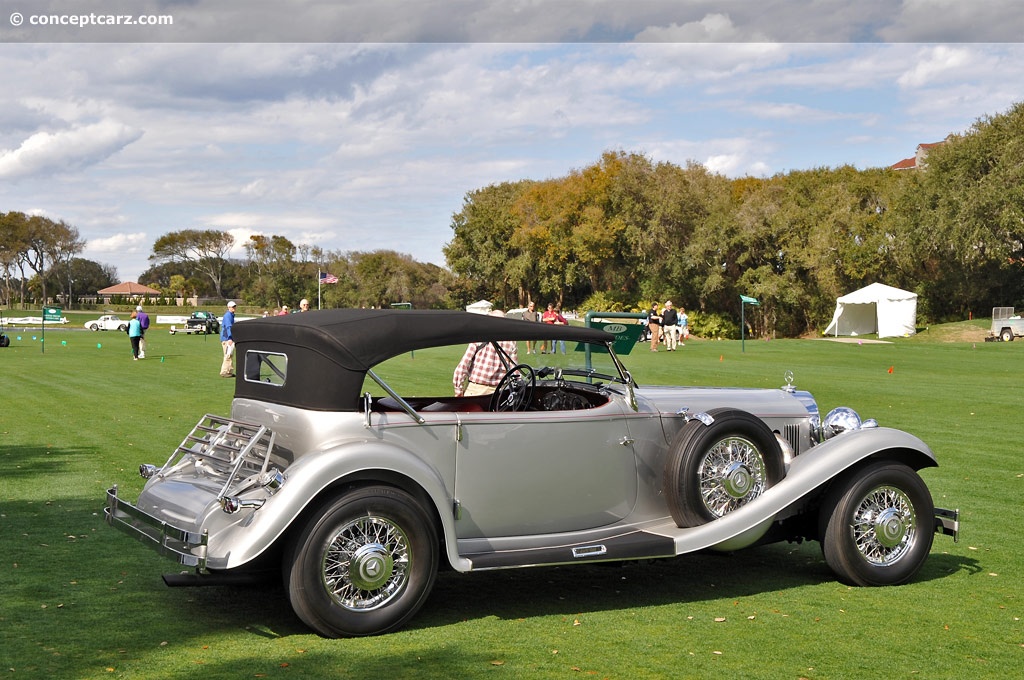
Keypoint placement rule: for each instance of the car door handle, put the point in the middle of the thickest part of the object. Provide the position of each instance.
(627, 441)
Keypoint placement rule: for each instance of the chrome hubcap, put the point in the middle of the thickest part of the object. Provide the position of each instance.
(371, 567)
(367, 563)
(737, 480)
(890, 528)
(883, 526)
(731, 475)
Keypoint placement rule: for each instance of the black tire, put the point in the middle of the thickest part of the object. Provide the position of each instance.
(877, 525)
(364, 565)
(94, 327)
(714, 469)
(1006, 335)
(123, 328)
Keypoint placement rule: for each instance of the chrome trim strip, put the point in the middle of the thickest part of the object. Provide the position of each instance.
(589, 551)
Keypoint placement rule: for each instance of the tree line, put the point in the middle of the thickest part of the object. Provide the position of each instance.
(38, 260)
(627, 231)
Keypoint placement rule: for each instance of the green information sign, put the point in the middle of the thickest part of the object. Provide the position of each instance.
(626, 334)
(52, 313)
(745, 300)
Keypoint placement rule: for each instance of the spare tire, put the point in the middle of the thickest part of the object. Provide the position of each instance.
(717, 468)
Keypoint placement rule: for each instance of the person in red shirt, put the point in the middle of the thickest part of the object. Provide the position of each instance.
(552, 316)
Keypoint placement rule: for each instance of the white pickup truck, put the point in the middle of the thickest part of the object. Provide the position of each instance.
(1006, 325)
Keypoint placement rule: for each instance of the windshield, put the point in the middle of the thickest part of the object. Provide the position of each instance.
(430, 372)
(589, 361)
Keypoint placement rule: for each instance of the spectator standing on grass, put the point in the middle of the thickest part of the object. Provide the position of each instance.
(135, 334)
(531, 315)
(227, 341)
(144, 323)
(684, 324)
(559, 321)
(670, 326)
(654, 326)
(549, 316)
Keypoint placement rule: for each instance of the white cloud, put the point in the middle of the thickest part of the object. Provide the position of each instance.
(120, 243)
(353, 147)
(935, 63)
(712, 28)
(988, 21)
(72, 149)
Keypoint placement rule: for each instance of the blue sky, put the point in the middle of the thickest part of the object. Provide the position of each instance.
(367, 145)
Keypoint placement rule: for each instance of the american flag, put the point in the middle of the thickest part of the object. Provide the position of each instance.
(326, 277)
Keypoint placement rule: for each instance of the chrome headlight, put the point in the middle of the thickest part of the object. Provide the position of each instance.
(840, 419)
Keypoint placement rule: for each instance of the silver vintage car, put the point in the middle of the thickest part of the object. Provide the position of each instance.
(339, 469)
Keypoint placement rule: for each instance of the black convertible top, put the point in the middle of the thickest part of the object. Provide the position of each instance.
(329, 351)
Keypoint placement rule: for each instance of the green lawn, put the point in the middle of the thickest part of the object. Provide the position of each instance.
(80, 600)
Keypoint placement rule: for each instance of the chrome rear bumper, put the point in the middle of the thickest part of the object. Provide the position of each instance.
(187, 548)
(947, 523)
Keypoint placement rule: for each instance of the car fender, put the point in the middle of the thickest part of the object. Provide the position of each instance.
(248, 536)
(808, 473)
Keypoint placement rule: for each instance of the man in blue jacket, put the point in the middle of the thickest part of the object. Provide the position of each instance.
(227, 341)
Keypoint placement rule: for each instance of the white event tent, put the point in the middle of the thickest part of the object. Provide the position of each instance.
(481, 307)
(878, 308)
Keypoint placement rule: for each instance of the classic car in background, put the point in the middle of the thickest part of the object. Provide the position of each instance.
(338, 469)
(201, 322)
(107, 322)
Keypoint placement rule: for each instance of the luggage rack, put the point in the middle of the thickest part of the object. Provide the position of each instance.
(219, 446)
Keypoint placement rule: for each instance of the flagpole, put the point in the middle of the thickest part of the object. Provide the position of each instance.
(318, 280)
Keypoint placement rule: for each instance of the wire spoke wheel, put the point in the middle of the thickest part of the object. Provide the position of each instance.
(367, 563)
(877, 524)
(718, 464)
(731, 474)
(364, 563)
(884, 526)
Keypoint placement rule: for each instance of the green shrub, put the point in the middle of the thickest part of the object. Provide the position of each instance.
(712, 326)
(602, 302)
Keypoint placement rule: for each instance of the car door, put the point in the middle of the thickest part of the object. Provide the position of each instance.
(543, 472)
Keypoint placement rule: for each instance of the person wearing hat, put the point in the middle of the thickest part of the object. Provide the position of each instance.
(227, 341)
(144, 324)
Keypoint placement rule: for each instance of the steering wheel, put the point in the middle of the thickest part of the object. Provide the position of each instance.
(515, 389)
